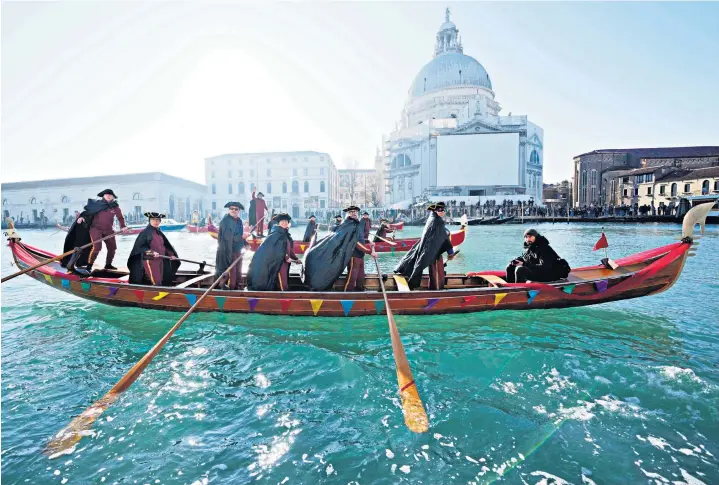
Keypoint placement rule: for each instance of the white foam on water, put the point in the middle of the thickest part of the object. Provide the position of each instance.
(510, 387)
(388, 453)
(262, 381)
(676, 373)
(540, 409)
(548, 476)
(602, 380)
(690, 480)
(405, 469)
(470, 459)
(686, 451)
(56, 472)
(660, 443)
(330, 470)
(394, 468)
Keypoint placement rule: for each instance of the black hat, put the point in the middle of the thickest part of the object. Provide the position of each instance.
(107, 191)
(382, 221)
(312, 216)
(365, 213)
(155, 215)
(338, 216)
(531, 232)
(283, 217)
(435, 206)
(351, 208)
(260, 194)
(235, 204)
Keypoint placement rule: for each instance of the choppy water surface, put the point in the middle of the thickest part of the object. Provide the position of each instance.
(626, 392)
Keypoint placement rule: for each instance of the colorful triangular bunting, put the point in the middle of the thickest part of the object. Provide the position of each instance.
(531, 294)
(601, 285)
(568, 289)
(253, 303)
(392, 250)
(191, 299)
(347, 306)
(112, 291)
(65, 283)
(467, 299)
(48, 278)
(316, 305)
(285, 305)
(302, 247)
(379, 306)
(499, 297)
(220, 302)
(430, 303)
(140, 294)
(86, 286)
(161, 295)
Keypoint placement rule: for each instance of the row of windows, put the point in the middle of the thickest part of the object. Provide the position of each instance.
(674, 187)
(308, 205)
(295, 187)
(269, 160)
(305, 172)
(66, 200)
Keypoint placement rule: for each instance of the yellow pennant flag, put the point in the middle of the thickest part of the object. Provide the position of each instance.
(498, 297)
(48, 278)
(161, 295)
(316, 304)
(302, 247)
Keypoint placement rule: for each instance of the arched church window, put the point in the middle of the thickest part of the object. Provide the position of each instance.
(295, 186)
(674, 190)
(137, 196)
(322, 186)
(705, 187)
(65, 199)
(534, 157)
(33, 200)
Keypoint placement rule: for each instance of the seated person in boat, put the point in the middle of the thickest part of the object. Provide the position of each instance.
(94, 223)
(366, 225)
(427, 252)
(343, 248)
(230, 242)
(146, 262)
(384, 231)
(311, 229)
(538, 263)
(338, 221)
(270, 266)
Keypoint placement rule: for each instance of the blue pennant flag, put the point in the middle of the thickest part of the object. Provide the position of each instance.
(191, 298)
(220, 302)
(379, 306)
(66, 283)
(531, 294)
(85, 286)
(347, 305)
(568, 289)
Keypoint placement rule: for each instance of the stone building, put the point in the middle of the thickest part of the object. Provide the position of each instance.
(591, 180)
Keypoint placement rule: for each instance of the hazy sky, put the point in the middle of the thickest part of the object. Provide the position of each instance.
(92, 88)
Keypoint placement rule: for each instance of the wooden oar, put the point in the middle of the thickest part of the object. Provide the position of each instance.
(391, 243)
(56, 258)
(80, 426)
(187, 261)
(415, 417)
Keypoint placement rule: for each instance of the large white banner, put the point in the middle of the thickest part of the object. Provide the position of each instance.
(482, 159)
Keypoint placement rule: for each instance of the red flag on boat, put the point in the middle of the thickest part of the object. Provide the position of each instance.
(602, 243)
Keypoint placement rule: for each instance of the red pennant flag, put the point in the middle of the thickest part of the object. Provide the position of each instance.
(602, 243)
(285, 305)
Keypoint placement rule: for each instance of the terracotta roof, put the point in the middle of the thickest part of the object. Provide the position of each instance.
(667, 152)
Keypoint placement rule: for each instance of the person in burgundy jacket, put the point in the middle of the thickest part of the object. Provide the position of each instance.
(260, 210)
(99, 215)
(145, 264)
(366, 224)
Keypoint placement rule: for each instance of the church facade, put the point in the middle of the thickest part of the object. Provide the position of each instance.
(452, 96)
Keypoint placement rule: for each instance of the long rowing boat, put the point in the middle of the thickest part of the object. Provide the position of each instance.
(400, 245)
(638, 275)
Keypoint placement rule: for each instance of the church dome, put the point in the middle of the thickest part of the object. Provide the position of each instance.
(450, 67)
(448, 70)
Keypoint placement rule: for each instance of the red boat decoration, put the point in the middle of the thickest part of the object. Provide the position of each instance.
(646, 273)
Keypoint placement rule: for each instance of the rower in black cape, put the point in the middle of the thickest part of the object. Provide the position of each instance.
(427, 252)
(79, 233)
(230, 242)
(270, 266)
(310, 230)
(328, 258)
(145, 262)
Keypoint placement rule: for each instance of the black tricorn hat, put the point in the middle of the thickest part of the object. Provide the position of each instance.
(338, 215)
(312, 216)
(260, 194)
(155, 215)
(365, 213)
(351, 208)
(107, 191)
(381, 221)
(435, 206)
(235, 204)
(283, 217)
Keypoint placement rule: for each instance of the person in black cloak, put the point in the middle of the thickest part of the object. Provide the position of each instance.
(251, 215)
(230, 242)
(311, 229)
(85, 226)
(338, 222)
(145, 264)
(328, 258)
(538, 263)
(427, 252)
(270, 266)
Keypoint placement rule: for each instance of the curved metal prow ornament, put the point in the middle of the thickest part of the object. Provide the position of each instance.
(696, 215)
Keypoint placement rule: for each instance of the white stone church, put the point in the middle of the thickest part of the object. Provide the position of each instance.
(451, 140)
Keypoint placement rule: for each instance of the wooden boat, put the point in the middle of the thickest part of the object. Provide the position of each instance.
(646, 273)
(397, 226)
(401, 245)
(195, 228)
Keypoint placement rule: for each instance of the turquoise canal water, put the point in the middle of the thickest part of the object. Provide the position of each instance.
(620, 393)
